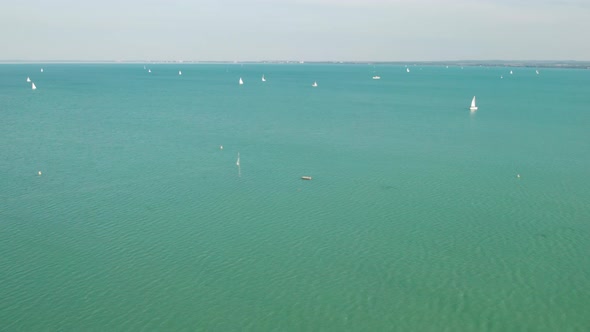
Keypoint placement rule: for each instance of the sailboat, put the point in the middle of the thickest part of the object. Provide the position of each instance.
(407, 70)
(315, 84)
(41, 69)
(241, 82)
(376, 77)
(238, 161)
(473, 108)
(29, 79)
(263, 79)
(537, 71)
(179, 72)
(33, 86)
(511, 72)
(149, 70)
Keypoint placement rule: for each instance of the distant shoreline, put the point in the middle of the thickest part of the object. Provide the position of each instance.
(471, 63)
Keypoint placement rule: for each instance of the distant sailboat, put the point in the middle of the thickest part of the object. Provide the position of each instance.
(241, 82)
(511, 72)
(29, 79)
(238, 161)
(179, 72)
(407, 70)
(263, 79)
(473, 108)
(315, 84)
(41, 69)
(149, 70)
(33, 86)
(376, 77)
(537, 71)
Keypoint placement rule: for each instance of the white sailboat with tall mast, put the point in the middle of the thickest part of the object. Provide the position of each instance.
(241, 82)
(263, 79)
(28, 79)
(33, 86)
(315, 84)
(238, 161)
(473, 107)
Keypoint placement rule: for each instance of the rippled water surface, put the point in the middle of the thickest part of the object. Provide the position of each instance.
(415, 220)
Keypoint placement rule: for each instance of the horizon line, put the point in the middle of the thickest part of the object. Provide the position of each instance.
(285, 60)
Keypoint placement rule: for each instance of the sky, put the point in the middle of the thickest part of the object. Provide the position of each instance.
(301, 30)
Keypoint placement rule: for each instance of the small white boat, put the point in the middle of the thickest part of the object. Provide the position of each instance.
(263, 79)
(537, 71)
(41, 69)
(241, 81)
(149, 70)
(306, 178)
(511, 72)
(473, 107)
(315, 84)
(238, 161)
(179, 72)
(33, 86)
(407, 70)
(29, 79)
(376, 77)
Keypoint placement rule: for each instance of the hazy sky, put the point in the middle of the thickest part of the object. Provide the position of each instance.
(360, 30)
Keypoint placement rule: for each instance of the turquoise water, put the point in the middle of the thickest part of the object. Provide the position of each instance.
(415, 219)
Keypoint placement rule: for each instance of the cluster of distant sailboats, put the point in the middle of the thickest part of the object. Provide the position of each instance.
(33, 86)
(472, 107)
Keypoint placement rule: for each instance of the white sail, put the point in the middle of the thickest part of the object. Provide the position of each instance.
(149, 70)
(263, 79)
(241, 82)
(407, 70)
(41, 69)
(179, 72)
(28, 79)
(315, 84)
(511, 72)
(537, 71)
(238, 161)
(33, 86)
(473, 106)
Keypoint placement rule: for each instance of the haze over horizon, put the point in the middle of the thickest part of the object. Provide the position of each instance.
(307, 30)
